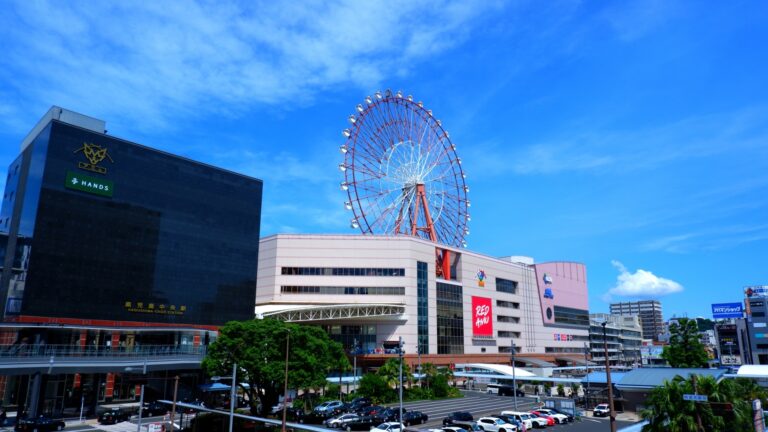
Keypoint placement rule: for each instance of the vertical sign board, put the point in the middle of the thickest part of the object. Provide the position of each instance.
(482, 316)
(727, 310)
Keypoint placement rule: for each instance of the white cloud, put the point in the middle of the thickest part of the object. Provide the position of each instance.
(151, 61)
(641, 284)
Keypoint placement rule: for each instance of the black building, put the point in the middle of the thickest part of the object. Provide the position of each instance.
(106, 229)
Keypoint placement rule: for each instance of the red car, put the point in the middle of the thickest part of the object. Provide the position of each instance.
(549, 419)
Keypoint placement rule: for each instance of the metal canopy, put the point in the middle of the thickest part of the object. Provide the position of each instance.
(335, 312)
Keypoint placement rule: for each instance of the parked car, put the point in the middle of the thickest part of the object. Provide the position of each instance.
(601, 410)
(329, 406)
(520, 416)
(339, 421)
(390, 414)
(558, 418)
(371, 410)
(459, 418)
(39, 424)
(512, 420)
(495, 424)
(363, 424)
(568, 415)
(113, 416)
(359, 403)
(453, 429)
(414, 417)
(388, 427)
(541, 421)
(315, 417)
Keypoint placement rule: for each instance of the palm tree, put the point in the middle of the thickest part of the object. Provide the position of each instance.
(390, 371)
(429, 370)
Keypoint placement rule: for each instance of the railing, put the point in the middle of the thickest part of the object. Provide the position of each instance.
(58, 351)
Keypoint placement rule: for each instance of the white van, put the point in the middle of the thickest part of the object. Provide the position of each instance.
(522, 417)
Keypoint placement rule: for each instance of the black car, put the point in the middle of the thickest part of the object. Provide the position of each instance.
(390, 414)
(371, 410)
(459, 418)
(39, 424)
(315, 417)
(509, 391)
(113, 416)
(155, 409)
(359, 403)
(363, 424)
(414, 417)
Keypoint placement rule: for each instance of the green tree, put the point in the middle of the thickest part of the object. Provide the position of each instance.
(390, 371)
(375, 387)
(667, 411)
(430, 371)
(685, 350)
(258, 348)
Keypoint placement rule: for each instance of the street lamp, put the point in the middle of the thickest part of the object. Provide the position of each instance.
(586, 367)
(514, 376)
(285, 382)
(608, 379)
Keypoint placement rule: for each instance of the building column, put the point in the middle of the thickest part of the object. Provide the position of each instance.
(33, 397)
(109, 389)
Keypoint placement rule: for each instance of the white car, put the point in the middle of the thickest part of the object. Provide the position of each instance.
(520, 416)
(495, 424)
(559, 418)
(538, 422)
(601, 410)
(388, 427)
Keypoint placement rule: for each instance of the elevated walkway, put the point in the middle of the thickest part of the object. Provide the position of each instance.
(63, 359)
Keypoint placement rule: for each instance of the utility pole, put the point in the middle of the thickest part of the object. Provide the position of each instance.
(586, 366)
(700, 426)
(514, 376)
(418, 350)
(354, 366)
(285, 382)
(175, 394)
(141, 409)
(232, 397)
(608, 379)
(400, 353)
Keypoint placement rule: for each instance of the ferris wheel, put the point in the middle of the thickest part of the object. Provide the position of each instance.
(402, 174)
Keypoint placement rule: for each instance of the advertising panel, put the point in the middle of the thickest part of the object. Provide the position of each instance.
(727, 310)
(756, 291)
(482, 316)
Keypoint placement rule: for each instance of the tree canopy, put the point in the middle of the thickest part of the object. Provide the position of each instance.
(258, 347)
(685, 350)
(729, 407)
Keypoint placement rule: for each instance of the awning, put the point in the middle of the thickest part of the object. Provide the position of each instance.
(534, 362)
(215, 386)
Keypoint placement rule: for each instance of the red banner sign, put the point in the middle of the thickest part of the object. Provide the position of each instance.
(482, 316)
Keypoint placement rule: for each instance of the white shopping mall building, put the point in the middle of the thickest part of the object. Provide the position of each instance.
(449, 305)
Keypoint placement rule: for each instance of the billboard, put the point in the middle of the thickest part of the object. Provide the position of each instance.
(563, 293)
(756, 291)
(482, 316)
(727, 310)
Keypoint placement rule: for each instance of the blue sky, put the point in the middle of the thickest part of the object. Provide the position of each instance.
(631, 136)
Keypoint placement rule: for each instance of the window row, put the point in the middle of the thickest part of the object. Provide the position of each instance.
(563, 350)
(342, 271)
(507, 319)
(507, 286)
(507, 304)
(333, 290)
(571, 316)
(508, 334)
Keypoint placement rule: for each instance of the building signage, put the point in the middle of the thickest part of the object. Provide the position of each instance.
(155, 308)
(97, 186)
(482, 316)
(756, 291)
(727, 310)
(729, 359)
(695, 397)
(481, 278)
(95, 154)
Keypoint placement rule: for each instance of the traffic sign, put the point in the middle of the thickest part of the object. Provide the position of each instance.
(695, 397)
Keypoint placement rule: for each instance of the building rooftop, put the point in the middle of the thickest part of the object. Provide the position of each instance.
(648, 378)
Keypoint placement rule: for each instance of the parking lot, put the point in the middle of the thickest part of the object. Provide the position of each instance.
(481, 404)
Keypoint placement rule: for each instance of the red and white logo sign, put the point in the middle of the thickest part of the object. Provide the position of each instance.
(482, 316)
